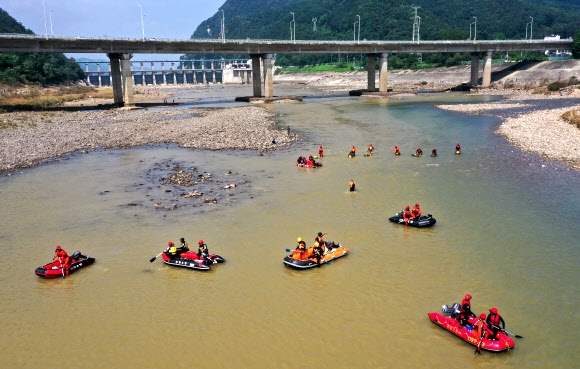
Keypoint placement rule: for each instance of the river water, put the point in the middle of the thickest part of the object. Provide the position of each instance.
(507, 233)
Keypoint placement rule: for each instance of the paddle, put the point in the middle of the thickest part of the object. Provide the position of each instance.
(153, 258)
(506, 332)
(478, 348)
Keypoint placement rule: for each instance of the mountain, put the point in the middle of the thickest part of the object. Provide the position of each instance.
(393, 19)
(44, 68)
(390, 20)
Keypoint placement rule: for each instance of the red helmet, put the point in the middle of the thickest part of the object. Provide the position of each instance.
(416, 204)
(493, 310)
(468, 297)
(200, 242)
(169, 243)
(434, 149)
(58, 247)
(396, 147)
(418, 148)
(408, 207)
(482, 316)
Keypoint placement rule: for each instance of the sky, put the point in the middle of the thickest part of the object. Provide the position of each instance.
(169, 19)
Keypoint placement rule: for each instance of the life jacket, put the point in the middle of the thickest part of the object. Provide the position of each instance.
(397, 151)
(302, 246)
(407, 214)
(494, 319)
(479, 326)
(463, 303)
(173, 250)
(202, 249)
(416, 212)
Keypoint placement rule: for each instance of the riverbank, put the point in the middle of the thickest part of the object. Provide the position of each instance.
(533, 122)
(33, 138)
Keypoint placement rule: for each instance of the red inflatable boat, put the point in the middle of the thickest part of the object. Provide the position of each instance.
(54, 269)
(469, 335)
(191, 260)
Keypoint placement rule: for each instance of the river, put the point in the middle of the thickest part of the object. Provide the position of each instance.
(507, 233)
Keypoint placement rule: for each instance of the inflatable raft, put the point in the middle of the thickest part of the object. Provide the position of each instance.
(192, 261)
(423, 221)
(307, 163)
(467, 333)
(305, 259)
(54, 269)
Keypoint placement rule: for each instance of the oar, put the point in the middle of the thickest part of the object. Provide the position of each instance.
(478, 348)
(506, 332)
(153, 258)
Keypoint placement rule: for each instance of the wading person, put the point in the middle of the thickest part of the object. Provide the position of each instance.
(351, 185)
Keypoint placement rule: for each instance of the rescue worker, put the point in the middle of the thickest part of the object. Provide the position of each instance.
(183, 247)
(407, 214)
(301, 245)
(434, 152)
(311, 158)
(320, 152)
(458, 148)
(418, 152)
(320, 238)
(352, 152)
(465, 311)
(370, 150)
(203, 252)
(493, 321)
(416, 211)
(479, 327)
(317, 252)
(397, 150)
(171, 250)
(63, 258)
(351, 185)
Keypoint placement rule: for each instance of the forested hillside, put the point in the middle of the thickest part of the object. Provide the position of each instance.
(34, 67)
(392, 20)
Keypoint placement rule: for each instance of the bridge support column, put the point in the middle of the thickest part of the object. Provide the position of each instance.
(268, 76)
(474, 69)
(371, 71)
(256, 75)
(383, 77)
(115, 79)
(486, 80)
(127, 75)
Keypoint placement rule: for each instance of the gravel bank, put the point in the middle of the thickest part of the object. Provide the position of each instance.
(36, 137)
(533, 122)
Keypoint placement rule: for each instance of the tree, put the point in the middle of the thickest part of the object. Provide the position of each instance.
(576, 45)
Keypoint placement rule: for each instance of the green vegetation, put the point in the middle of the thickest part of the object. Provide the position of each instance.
(576, 46)
(37, 68)
(556, 86)
(390, 20)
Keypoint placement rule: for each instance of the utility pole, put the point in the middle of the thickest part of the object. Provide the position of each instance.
(531, 26)
(314, 24)
(45, 27)
(223, 34)
(51, 31)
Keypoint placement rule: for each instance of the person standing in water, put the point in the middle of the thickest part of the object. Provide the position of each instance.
(351, 186)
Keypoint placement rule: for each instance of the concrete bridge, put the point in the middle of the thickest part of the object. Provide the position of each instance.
(120, 52)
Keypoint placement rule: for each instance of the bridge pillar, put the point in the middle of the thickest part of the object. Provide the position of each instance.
(256, 75)
(474, 69)
(371, 71)
(99, 73)
(383, 77)
(127, 79)
(268, 76)
(486, 80)
(115, 78)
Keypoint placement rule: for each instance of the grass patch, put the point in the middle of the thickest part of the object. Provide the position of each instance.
(32, 97)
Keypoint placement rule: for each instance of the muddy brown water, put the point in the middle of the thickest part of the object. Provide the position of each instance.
(506, 232)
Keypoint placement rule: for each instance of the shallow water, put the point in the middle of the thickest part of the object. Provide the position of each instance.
(506, 233)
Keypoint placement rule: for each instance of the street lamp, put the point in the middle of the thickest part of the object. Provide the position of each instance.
(531, 26)
(293, 28)
(474, 28)
(358, 28)
(51, 31)
(354, 31)
(142, 25)
(223, 26)
(44, 12)
(314, 24)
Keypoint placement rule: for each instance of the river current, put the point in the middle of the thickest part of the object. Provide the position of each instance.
(507, 233)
